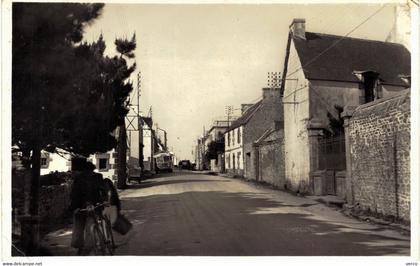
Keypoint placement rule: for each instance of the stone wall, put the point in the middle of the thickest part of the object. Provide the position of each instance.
(271, 161)
(379, 138)
(54, 201)
(54, 198)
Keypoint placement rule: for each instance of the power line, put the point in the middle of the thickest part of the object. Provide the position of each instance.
(296, 90)
(339, 40)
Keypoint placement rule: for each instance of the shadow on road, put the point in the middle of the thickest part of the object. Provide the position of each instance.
(228, 224)
(153, 183)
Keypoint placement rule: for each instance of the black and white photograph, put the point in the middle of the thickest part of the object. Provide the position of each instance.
(201, 130)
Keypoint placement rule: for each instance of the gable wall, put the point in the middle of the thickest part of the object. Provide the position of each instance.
(259, 123)
(296, 116)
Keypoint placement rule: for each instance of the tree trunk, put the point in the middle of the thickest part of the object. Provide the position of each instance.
(30, 223)
(122, 157)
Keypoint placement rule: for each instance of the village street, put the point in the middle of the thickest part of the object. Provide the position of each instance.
(192, 213)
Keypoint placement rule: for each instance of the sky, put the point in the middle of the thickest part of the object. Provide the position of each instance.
(197, 59)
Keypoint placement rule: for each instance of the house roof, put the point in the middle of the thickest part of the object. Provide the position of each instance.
(345, 55)
(267, 133)
(246, 116)
(148, 121)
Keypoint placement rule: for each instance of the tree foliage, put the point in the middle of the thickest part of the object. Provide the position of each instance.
(69, 92)
(65, 93)
(336, 122)
(215, 148)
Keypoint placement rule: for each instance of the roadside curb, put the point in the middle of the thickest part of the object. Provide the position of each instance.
(331, 202)
(348, 211)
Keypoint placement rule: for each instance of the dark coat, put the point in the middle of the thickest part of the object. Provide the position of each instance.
(88, 186)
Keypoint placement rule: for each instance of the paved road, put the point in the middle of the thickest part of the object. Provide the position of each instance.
(187, 213)
(195, 214)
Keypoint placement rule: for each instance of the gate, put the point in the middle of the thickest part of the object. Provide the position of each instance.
(332, 153)
(332, 158)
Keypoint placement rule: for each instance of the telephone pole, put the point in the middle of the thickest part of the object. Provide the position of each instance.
(228, 111)
(140, 123)
(135, 122)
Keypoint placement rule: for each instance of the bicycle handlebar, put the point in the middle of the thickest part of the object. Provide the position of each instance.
(91, 207)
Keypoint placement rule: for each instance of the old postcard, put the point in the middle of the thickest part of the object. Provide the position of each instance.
(210, 131)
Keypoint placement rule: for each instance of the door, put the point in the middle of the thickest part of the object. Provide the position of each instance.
(330, 182)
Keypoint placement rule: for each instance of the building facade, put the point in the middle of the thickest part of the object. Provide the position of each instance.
(270, 157)
(318, 82)
(263, 118)
(234, 160)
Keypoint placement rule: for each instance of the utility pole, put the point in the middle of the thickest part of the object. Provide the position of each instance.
(140, 124)
(134, 122)
(228, 111)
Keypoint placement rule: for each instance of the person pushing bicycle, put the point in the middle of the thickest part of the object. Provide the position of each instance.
(89, 193)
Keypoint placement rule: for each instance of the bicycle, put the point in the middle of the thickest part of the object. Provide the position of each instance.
(99, 230)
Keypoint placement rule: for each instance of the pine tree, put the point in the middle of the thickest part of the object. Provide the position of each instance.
(65, 93)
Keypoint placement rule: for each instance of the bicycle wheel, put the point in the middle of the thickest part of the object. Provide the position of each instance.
(110, 244)
(99, 246)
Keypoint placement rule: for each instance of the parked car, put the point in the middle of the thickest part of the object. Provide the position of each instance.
(185, 164)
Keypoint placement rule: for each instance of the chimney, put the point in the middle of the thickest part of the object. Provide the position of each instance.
(298, 28)
(270, 92)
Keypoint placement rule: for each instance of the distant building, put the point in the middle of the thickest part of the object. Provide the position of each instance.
(234, 163)
(240, 156)
(60, 161)
(150, 143)
(216, 134)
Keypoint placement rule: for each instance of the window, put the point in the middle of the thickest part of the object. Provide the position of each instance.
(44, 162)
(228, 138)
(239, 156)
(239, 135)
(233, 137)
(371, 89)
(219, 135)
(103, 164)
(233, 161)
(228, 161)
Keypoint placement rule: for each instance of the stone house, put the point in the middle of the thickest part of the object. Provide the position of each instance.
(240, 153)
(323, 74)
